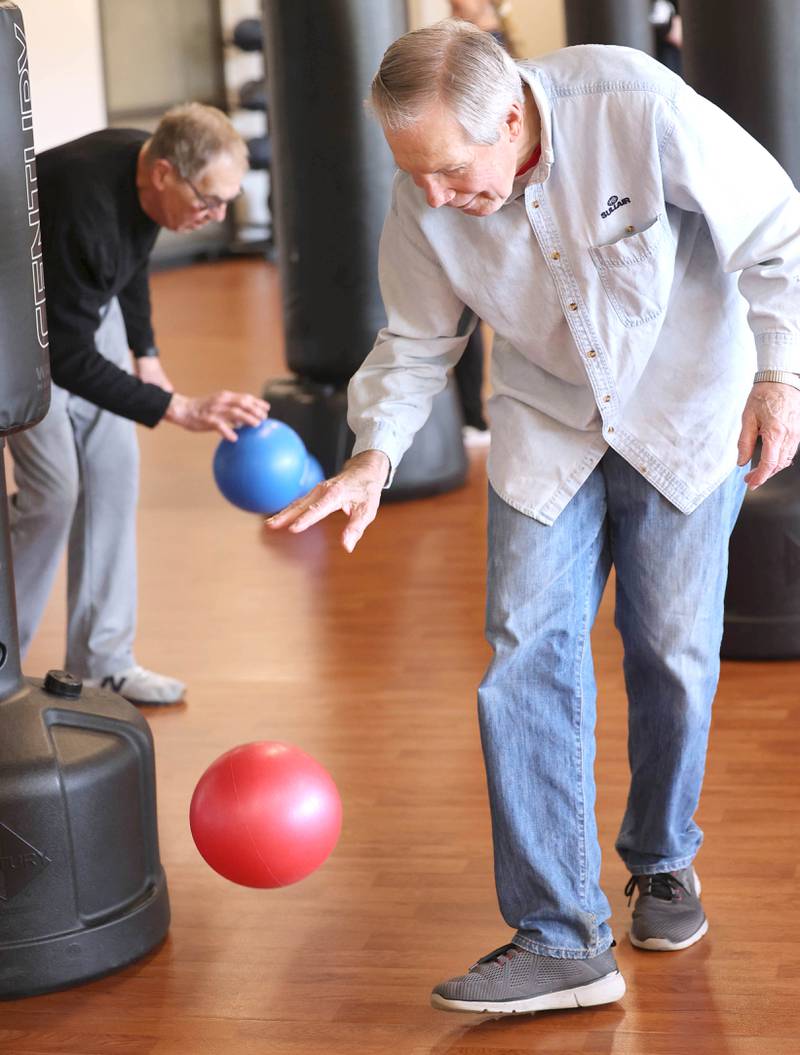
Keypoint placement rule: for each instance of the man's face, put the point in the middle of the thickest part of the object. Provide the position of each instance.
(453, 171)
(185, 205)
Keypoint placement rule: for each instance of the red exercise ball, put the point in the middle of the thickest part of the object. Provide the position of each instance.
(265, 814)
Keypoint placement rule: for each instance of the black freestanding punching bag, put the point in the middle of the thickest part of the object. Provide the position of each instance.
(82, 891)
(332, 173)
(625, 22)
(744, 57)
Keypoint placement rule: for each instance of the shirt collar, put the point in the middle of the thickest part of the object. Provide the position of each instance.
(533, 79)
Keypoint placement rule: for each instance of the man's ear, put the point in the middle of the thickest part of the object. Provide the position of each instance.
(514, 121)
(160, 172)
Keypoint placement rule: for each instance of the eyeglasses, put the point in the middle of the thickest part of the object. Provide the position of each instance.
(210, 202)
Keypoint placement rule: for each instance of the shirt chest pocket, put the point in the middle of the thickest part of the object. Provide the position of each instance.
(636, 272)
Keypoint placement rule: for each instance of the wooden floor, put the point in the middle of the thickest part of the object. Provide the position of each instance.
(370, 663)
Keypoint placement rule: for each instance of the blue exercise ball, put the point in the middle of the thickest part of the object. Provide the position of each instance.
(263, 470)
(312, 475)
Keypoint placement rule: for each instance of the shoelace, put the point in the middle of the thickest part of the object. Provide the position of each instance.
(663, 886)
(499, 956)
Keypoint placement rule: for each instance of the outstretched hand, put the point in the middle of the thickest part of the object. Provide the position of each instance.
(772, 412)
(222, 412)
(356, 490)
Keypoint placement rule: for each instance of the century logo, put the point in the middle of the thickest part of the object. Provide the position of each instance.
(613, 204)
(32, 189)
(20, 863)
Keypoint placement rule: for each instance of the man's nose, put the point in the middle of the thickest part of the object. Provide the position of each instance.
(436, 193)
(214, 213)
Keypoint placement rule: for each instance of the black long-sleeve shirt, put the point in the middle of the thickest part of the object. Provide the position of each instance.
(96, 243)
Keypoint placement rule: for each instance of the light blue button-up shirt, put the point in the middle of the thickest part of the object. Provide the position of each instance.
(633, 280)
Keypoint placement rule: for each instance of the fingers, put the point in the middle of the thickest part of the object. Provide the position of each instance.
(360, 520)
(773, 410)
(747, 438)
(224, 411)
(775, 455)
(359, 503)
(240, 416)
(288, 516)
(221, 426)
(246, 404)
(242, 408)
(326, 498)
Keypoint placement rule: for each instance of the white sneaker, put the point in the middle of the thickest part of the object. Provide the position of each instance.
(476, 437)
(141, 686)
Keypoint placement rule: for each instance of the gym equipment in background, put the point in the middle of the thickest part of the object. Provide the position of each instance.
(82, 890)
(243, 66)
(625, 22)
(332, 173)
(743, 57)
(762, 600)
(248, 34)
(253, 95)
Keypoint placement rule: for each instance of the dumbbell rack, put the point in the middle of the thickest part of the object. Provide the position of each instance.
(245, 79)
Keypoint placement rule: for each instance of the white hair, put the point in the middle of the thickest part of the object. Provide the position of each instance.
(452, 63)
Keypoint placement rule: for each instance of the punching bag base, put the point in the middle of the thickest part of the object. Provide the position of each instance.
(82, 889)
(754, 638)
(82, 956)
(762, 598)
(318, 413)
(436, 461)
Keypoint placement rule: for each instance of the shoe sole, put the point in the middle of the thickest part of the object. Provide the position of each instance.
(605, 990)
(665, 945)
(153, 703)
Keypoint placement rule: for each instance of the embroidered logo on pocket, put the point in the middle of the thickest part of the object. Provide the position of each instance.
(614, 203)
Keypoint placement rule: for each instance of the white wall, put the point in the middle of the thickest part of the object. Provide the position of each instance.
(66, 69)
(539, 25)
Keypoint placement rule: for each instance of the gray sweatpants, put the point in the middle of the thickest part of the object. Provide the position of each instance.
(77, 476)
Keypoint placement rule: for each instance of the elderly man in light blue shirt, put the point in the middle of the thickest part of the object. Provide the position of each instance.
(638, 257)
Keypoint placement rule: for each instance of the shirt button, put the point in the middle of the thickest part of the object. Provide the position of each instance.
(592, 354)
(610, 429)
(606, 399)
(573, 306)
(643, 470)
(555, 256)
(630, 228)
(535, 204)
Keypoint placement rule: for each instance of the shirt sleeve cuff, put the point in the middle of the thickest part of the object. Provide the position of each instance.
(380, 439)
(151, 352)
(778, 351)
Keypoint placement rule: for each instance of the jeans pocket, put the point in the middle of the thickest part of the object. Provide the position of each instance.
(636, 272)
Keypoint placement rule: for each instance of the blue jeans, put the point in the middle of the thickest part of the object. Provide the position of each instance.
(537, 701)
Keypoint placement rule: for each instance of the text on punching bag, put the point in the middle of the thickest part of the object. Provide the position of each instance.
(26, 118)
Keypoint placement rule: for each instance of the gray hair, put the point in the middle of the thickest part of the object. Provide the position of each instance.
(452, 63)
(192, 135)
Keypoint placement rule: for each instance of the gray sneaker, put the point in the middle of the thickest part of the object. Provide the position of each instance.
(511, 981)
(668, 914)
